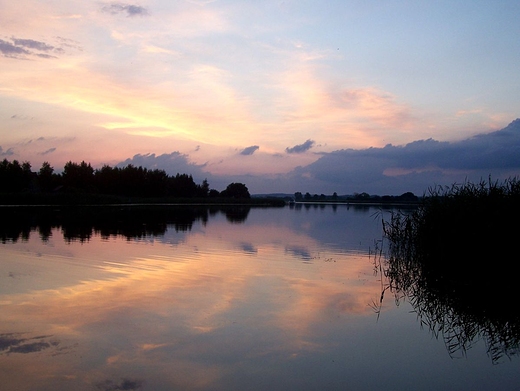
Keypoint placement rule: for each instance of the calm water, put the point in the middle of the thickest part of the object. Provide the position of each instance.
(259, 299)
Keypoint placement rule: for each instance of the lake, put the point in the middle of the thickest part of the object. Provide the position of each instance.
(236, 298)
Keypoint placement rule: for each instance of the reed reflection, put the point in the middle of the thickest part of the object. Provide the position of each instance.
(451, 259)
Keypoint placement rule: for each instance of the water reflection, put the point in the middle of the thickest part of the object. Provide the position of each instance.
(131, 222)
(256, 299)
(189, 298)
(459, 301)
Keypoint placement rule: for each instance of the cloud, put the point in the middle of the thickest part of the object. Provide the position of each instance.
(21, 117)
(22, 48)
(394, 170)
(13, 343)
(128, 9)
(125, 384)
(415, 166)
(301, 147)
(10, 50)
(8, 152)
(32, 44)
(48, 151)
(173, 163)
(201, 2)
(249, 150)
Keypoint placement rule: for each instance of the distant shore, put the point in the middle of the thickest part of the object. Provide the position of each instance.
(84, 199)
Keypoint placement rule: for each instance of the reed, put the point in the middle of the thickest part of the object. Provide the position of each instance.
(454, 259)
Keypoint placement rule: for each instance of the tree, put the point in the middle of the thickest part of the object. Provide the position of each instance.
(213, 193)
(236, 190)
(204, 189)
(183, 185)
(78, 176)
(408, 196)
(15, 177)
(46, 177)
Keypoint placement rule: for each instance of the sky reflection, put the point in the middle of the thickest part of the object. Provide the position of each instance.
(182, 310)
(270, 303)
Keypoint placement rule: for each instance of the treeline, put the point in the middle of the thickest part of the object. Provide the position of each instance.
(407, 197)
(128, 181)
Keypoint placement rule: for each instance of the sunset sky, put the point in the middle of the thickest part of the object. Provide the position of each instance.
(319, 96)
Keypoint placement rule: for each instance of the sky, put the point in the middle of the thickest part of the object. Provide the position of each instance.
(344, 96)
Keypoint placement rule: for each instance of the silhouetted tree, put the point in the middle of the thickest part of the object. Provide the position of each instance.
(46, 177)
(15, 177)
(408, 196)
(128, 181)
(213, 193)
(204, 189)
(78, 176)
(183, 185)
(236, 190)
(108, 180)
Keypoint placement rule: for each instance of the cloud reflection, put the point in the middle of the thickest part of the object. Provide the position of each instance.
(140, 308)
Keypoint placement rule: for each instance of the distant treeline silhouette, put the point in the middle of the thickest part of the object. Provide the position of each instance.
(128, 181)
(407, 197)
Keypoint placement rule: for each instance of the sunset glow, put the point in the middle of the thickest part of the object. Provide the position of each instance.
(105, 81)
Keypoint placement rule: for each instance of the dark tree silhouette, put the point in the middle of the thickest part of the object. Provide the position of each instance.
(46, 177)
(15, 177)
(78, 176)
(236, 190)
(128, 181)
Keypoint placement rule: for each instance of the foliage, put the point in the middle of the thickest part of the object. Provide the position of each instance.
(15, 177)
(81, 179)
(236, 190)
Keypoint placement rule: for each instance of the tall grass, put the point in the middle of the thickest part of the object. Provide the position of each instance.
(455, 258)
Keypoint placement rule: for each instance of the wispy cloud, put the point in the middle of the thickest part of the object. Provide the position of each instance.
(8, 152)
(124, 384)
(48, 151)
(129, 9)
(24, 48)
(249, 150)
(8, 49)
(32, 44)
(301, 148)
(21, 117)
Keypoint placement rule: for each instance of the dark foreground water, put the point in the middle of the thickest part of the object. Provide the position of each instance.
(240, 299)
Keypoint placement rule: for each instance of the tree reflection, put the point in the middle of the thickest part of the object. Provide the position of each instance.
(130, 222)
(237, 214)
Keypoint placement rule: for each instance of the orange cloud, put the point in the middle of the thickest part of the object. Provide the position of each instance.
(349, 116)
